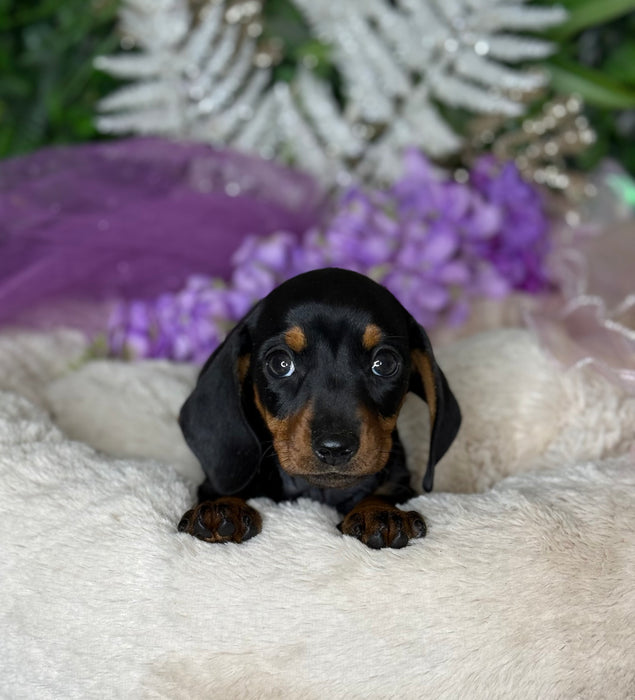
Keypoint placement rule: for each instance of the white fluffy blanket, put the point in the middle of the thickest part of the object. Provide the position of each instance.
(523, 587)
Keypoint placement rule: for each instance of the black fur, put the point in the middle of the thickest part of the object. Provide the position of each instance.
(227, 431)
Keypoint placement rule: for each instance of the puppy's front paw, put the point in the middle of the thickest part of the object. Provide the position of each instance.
(378, 524)
(222, 520)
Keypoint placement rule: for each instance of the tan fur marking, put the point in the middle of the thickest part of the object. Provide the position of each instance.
(375, 440)
(261, 408)
(424, 367)
(242, 367)
(295, 339)
(291, 436)
(372, 336)
(292, 441)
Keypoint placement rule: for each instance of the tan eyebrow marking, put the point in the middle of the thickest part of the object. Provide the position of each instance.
(295, 339)
(372, 336)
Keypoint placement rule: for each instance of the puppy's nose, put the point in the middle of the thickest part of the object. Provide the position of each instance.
(335, 450)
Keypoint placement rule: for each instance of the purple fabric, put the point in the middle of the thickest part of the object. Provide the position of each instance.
(134, 218)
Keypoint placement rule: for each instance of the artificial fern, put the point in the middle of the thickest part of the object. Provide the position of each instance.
(201, 77)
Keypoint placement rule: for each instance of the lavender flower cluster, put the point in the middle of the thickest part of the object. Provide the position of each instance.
(437, 244)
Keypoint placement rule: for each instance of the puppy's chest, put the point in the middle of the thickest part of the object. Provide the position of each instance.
(341, 498)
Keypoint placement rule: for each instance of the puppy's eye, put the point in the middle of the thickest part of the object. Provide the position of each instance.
(385, 363)
(279, 363)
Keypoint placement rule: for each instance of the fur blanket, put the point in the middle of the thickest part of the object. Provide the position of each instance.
(523, 587)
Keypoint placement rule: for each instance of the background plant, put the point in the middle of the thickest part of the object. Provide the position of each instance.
(596, 60)
(49, 87)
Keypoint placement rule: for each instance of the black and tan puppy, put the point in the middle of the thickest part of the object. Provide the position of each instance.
(302, 399)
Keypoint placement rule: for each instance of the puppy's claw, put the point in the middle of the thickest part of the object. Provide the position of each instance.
(185, 521)
(418, 524)
(222, 520)
(401, 540)
(375, 541)
(226, 528)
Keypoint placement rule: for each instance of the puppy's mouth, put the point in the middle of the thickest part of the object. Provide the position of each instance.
(333, 480)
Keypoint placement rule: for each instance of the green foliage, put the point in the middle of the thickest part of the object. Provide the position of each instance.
(48, 87)
(584, 14)
(596, 60)
(286, 25)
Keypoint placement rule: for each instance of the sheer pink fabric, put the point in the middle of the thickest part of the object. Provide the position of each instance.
(592, 320)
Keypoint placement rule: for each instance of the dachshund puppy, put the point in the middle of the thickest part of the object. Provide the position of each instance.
(302, 399)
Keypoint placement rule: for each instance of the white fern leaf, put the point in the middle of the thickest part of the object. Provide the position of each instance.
(258, 135)
(221, 127)
(398, 59)
(203, 36)
(382, 61)
(137, 96)
(142, 121)
(160, 24)
(438, 139)
(399, 32)
(513, 49)
(384, 159)
(130, 65)
(366, 101)
(228, 85)
(218, 61)
(320, 106)
(430, 26)
(456, 92)
(520, 17)
(308, 151)
(481, 70)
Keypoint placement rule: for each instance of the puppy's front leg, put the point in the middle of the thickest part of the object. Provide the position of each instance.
(222, 520)
(378, 523)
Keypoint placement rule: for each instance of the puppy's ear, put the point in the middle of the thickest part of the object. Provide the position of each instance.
(213, 420)
(428, 381)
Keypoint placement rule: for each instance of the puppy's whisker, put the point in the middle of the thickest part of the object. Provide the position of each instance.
(269, 449)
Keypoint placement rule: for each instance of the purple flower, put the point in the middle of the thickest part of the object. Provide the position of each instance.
(187, 325)
(522, 243)
(129, 330)
(435, 243)
(262, 263)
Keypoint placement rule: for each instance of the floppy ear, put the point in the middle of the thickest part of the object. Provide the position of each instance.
(428, 381)
(213, 420)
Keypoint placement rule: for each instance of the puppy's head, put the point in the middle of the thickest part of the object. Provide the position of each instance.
(325, 360)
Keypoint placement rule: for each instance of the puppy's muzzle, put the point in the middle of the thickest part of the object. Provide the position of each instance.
(335, 450)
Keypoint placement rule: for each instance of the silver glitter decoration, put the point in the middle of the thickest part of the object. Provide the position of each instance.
(207, 78)
(542, 145)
